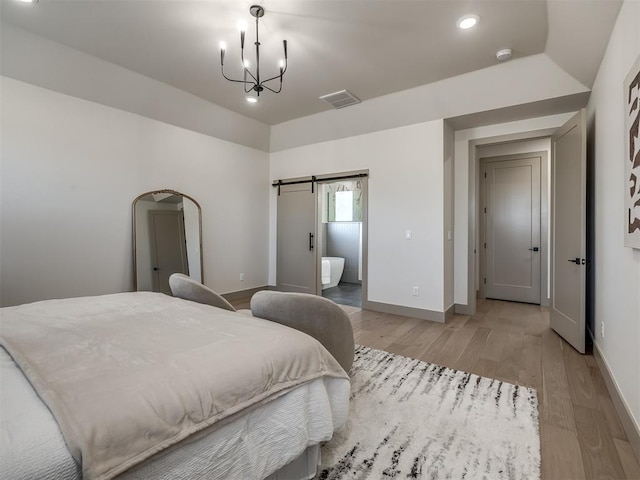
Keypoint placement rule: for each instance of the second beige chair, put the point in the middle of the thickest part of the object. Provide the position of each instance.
(316, 316)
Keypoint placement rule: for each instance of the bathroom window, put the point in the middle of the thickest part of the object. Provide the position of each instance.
(342, 202)
(344, 207)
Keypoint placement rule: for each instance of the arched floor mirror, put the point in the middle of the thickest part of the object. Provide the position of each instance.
(167, 238)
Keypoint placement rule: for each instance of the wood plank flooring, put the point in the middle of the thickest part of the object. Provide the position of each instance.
(580, 434)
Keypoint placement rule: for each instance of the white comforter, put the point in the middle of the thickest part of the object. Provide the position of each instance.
(165, 312)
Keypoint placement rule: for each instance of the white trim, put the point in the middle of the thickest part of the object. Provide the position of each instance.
(631, 428)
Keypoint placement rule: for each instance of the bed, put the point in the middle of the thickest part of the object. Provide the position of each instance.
(142, 385)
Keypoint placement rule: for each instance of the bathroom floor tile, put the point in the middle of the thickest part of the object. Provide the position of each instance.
(345, 294)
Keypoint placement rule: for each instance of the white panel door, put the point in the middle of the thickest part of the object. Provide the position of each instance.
(512, 229)
(568, 231)
(296, 269)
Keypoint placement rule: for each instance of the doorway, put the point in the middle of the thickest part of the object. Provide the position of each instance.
(341, 239)
(566, 207)
(322, 236)
(513, 227)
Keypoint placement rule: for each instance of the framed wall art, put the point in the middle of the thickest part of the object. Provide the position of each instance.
(632, 156)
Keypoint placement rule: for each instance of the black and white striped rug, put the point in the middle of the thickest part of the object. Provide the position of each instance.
(414, 420)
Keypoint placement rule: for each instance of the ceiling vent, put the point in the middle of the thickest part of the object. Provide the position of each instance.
(341, 99)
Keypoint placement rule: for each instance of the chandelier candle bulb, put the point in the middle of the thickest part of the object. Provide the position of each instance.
(223, 47)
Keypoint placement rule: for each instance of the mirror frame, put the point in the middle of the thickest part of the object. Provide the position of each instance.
(133, 207)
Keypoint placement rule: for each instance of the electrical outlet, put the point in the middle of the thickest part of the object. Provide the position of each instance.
(242, 277)
(415, 292)
(602, 329)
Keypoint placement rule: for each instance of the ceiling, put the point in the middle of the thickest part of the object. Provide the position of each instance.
(369, 47)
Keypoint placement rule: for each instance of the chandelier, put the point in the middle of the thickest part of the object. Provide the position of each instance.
(253, 82)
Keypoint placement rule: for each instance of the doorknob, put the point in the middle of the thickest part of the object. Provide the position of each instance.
(575, 260)
(534, 249)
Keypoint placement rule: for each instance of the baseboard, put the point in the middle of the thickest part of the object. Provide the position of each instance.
(240, 294)
(461, 309)
(630, 427)
(449, 312)
(404, 311)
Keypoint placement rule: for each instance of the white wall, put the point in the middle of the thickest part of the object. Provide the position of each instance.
(40, 61)
(405, 193)
(70, 170)
(617, 268)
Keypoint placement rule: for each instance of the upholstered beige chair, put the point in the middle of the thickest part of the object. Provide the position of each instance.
(187, 288)
(316, 316)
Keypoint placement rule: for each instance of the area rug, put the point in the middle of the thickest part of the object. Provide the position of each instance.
(414, 420)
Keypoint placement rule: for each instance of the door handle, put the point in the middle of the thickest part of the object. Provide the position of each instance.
(576, 261)
(534, 249)
(310, 241)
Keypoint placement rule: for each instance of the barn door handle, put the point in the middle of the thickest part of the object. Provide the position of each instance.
(310, 241)
(534, 249)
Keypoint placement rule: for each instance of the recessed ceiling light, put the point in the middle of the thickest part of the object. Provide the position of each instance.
(252, 99)
(468, 21)
(28, 1)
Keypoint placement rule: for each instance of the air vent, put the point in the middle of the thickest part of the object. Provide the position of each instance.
(340, 99)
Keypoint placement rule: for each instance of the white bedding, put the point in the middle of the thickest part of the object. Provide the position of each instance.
(143, 385)
(247, 446)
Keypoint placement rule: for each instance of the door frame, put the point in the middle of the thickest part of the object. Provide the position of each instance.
(328, 178)
(472, 218)
(363, 175)
(544, 219)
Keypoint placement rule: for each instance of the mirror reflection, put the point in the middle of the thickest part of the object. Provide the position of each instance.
(167, 238)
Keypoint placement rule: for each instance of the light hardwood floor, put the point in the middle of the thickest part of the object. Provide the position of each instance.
(581, 436)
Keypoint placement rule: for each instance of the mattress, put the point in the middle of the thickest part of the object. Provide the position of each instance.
(249, 445)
